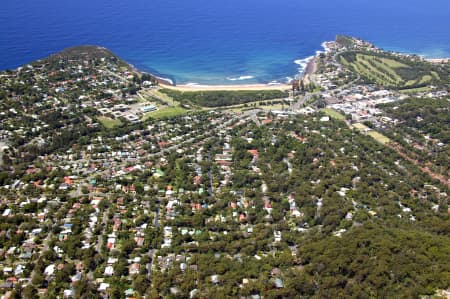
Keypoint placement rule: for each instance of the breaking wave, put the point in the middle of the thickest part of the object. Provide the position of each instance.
(302, 63)
(240, 78)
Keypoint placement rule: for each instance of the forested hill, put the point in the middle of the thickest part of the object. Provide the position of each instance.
(85, 53)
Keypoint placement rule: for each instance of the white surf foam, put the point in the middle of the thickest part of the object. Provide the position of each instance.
(165, 79)
(192, 84)
(302, 63)
(324, 46)
(240, 78)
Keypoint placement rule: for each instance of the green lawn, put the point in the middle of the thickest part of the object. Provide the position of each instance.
(333, 113)
(108, 122)
(388, 65)
(344, 61)
(435, 75)
(414, 90)
(374, 134)
(153, 93)
(393, 63)
(390, 71)
(240, 107)
(165, 112)
(360, 126)
(426, 79)
(379, 137)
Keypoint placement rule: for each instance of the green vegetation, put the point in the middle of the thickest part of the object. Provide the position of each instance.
(86, 52)
(379, 137)
(360, 126)
(167, 106)
(374, 134)
(165, 112)
(377, 252)
(423, 130)
(221, 98)
(428, 116)
(156, 95)
(333, 113)
(375, 261)
(416, 90)
(109, 123)
(345, 41)
(220, 205)
(393, 71)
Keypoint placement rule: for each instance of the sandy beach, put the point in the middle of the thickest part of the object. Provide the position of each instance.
(438, 60)
(228, 87)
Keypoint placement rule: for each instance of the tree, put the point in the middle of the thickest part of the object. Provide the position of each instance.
(29, 292)
(38, 279)
(121, 268)
(128, 246)
(141, 283)
(85, 289)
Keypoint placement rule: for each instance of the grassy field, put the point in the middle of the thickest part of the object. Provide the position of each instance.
(156, 94)
(360, 126)
(108, 122)
(382, 72)
(374, 134)
(165, 112)
(415, 90)
(390, 70)
(265, 105)
(379, 137)
(166, 105)
(426, 79)
(333, 113)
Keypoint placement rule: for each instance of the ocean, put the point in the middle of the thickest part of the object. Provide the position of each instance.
(218, 42)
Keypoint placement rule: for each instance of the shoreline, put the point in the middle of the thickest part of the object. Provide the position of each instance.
(311, 67)
(237, 87)
(438, 60)
(308, 64)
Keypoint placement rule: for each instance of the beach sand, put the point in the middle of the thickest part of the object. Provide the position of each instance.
(227, 87)
(438, 60)
(310, 69)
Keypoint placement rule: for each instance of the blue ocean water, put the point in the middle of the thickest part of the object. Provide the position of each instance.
(218, 41)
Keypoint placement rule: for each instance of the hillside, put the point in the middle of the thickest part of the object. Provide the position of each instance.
(58, 99)
(113, 187)
(390, 69)
(84, 52)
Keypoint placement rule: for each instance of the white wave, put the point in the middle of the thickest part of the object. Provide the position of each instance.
(192, 84)
(325, 47)
(273, 83)
(165, 79)
(240, 78)
(302, 63)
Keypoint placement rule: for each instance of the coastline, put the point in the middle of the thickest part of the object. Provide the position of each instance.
(238, 87)
(307, 64)
(311, 67)
(308, 67)
(438, 60)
